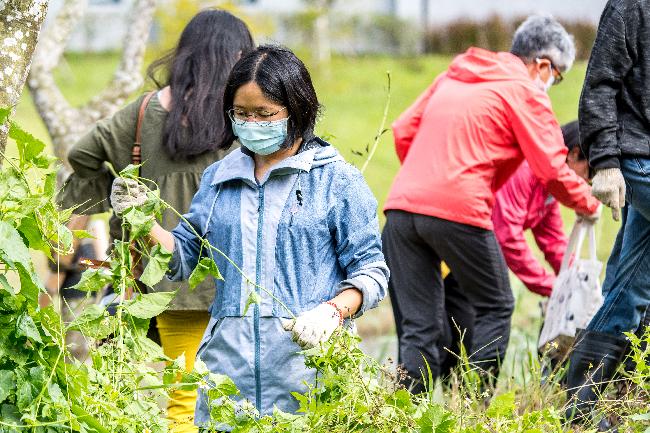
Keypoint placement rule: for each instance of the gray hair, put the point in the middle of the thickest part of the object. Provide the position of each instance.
(541, 36)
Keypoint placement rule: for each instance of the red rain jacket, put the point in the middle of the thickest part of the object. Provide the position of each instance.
(469, 131)
(521, 204)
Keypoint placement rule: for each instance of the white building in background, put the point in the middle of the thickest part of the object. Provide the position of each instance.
(104, 24)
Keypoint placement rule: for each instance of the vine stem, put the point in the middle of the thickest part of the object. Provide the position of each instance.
(382, 127)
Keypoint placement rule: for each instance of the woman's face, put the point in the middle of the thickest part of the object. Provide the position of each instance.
(250, 104)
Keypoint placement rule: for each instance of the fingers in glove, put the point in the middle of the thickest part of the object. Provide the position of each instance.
(288, 324)
(616, 213)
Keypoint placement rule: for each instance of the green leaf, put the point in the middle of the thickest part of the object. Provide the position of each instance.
(31, 231)
(25, 327)
(10, 414)
(436, 420)
(4, 115)
(157, 266)
(82, 234)
(24, 395)
(637, 417)
(93, 322)
(205, 267)
(93, 280)
(149, 305)
(502, 406)
(253, 298)
(12, 247)
(131, 171)
(64, 237)
(29, 147)
(221, 385)
(4, 285)
(7, 384)
(140, 222)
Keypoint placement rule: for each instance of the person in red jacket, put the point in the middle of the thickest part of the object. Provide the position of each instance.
(459, 143)
(523, 203)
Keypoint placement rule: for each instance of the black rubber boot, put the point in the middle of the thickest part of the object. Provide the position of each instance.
(595, 358)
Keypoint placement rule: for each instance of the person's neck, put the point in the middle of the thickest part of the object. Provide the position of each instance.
(263, 163)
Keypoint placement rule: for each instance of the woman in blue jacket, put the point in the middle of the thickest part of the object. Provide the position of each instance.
(299, 222)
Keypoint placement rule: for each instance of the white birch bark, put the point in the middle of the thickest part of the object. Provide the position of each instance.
(20, 24)
(66, 123)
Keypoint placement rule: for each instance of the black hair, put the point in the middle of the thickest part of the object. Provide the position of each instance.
(285, 80)
(571, 134)
(196, 71)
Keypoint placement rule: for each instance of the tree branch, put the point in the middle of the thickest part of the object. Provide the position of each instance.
(20, 24)
(128, 77)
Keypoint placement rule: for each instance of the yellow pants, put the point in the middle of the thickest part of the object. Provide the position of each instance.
(181, 332)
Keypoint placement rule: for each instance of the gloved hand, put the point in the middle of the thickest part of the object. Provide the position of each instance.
(314, 326)
(608, 186)
(126, 193)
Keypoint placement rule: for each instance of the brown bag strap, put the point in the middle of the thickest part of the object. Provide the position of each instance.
(136, 153)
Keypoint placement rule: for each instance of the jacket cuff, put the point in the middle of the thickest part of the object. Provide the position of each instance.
(177, 265)
(606, 162)
(371, 281)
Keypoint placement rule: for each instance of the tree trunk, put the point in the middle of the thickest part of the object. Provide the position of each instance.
(65, 123)
(20, 23)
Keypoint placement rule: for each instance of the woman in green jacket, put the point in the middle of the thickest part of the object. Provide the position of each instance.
(180, 131)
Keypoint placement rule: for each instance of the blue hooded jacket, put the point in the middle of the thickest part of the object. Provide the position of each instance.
(305, 232)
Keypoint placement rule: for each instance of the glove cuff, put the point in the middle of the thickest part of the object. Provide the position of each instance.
(338, 311)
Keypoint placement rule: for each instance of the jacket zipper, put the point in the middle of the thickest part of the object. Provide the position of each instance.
(256, 308)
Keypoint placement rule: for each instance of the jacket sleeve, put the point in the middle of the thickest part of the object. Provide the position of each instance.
(355, 226)
(187, 245)
(540, 139)
(110, 140)
(406, 127)
(550, 237)
(609, 64)
(509, 217)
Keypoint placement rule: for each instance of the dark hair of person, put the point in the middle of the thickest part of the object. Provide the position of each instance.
(571, 134)
(196, 71)
(285, 80)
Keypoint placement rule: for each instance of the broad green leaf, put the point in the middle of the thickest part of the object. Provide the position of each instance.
(205, 267)
(82, 234)
(221, 385)
(149, 305)
(7, 384)
(12, 246)
(24, 394)
(94, 322)
(31, 231)
(641, 417)
(4, 285)
(30, 283)
(253, 298)
(502, 406)
(140, 222)
(131, 170)
(4, 114)
(93, 280)
(436, 419)
(157, 266)
(29, 147)
(64, 237)
(25, 327)
(10, 414)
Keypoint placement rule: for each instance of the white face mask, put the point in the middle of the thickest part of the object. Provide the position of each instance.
(545, 86)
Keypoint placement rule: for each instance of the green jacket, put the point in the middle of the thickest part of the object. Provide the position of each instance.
(111, 140)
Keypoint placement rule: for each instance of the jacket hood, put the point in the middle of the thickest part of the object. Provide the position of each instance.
(478, 65)
(324, 153)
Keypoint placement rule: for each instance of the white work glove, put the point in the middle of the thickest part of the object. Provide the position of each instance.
(127, 193)
(608, 186)
(314, 326)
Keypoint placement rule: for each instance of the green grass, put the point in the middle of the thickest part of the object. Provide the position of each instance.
(353, 94)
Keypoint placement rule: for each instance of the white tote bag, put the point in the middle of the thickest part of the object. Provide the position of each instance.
(577, 294)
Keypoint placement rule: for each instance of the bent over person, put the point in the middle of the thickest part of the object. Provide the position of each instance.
(458, 143)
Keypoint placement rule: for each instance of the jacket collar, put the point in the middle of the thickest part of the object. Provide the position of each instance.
(240, 166)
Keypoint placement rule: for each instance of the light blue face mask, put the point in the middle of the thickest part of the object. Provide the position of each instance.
(261, 139)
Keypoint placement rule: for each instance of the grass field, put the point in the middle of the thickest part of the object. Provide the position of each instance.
(353, 93)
